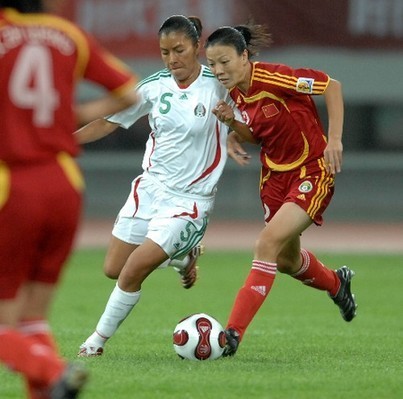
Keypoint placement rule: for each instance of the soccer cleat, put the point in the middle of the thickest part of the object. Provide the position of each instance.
(232, 337)
(189, 273)
(344, 299)
(70, 383)
(87, 350)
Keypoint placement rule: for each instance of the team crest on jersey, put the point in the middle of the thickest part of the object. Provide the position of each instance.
(305, 187)
(200, 110)
(305, 85)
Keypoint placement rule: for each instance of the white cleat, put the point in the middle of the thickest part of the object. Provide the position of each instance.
(87, 350)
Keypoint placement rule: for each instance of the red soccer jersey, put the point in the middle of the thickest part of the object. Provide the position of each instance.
(41, 58)
(279, 110)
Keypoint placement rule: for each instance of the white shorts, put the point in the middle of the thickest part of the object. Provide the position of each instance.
(176, 222)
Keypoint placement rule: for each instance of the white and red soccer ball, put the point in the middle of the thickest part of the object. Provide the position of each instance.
(199, 337)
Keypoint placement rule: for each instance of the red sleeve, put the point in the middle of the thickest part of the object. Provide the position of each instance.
(103, 68)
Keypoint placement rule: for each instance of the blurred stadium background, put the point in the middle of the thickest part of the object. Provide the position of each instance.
(359, 42)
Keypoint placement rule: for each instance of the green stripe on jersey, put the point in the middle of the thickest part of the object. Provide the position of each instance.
(164, 73)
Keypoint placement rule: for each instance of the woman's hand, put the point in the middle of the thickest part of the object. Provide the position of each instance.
(334, 156)
(224, 113)
(235, 149)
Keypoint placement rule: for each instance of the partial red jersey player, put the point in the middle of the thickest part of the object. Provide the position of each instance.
(299, 163)
(283, 117)
(42, 59)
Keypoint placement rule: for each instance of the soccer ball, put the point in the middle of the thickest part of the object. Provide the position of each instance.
(199, 337)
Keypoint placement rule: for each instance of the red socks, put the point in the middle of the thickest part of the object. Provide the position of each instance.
(252, 295)
(33, 355)
(316, 275)
(39, 331)
(260, 280)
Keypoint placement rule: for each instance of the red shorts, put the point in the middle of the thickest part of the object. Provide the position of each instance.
(40, 207)
(311, 187)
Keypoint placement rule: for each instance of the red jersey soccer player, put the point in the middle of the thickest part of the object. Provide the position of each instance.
(298, 166)
(42, 58)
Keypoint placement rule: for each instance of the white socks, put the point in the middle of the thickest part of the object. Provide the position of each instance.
(119, 306)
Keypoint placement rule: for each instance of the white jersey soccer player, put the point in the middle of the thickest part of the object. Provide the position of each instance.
(184, 159)
(171, 201)
(167, 211)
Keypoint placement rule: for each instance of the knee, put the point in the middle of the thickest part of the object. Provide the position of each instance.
(267, 246)
(111, 271)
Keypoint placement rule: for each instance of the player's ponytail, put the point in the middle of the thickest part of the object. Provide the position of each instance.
(255, 36)
(250, 37)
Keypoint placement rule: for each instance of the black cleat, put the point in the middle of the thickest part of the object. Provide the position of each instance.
(344, 299)
(232, 338)
(71, 382)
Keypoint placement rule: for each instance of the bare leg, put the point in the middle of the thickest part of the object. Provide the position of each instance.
(117, 256)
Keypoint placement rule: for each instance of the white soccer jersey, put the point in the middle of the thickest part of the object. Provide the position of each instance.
(186, 149)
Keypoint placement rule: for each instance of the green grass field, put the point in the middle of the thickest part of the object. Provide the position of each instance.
(297, 347)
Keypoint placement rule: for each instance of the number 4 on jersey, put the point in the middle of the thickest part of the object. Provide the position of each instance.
(31, 84)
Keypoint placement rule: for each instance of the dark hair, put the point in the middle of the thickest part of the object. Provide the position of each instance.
(249, 37)
(23, 6)
(191, 26)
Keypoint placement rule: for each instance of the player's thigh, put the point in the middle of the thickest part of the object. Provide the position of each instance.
(286, 225)
(116, 256)
(289, 221)
(142, 262)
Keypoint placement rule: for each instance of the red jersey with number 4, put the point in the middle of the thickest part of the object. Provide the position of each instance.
(279, 110)
(41, 58)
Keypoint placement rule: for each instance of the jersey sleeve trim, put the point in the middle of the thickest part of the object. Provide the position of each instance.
(300, 84)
